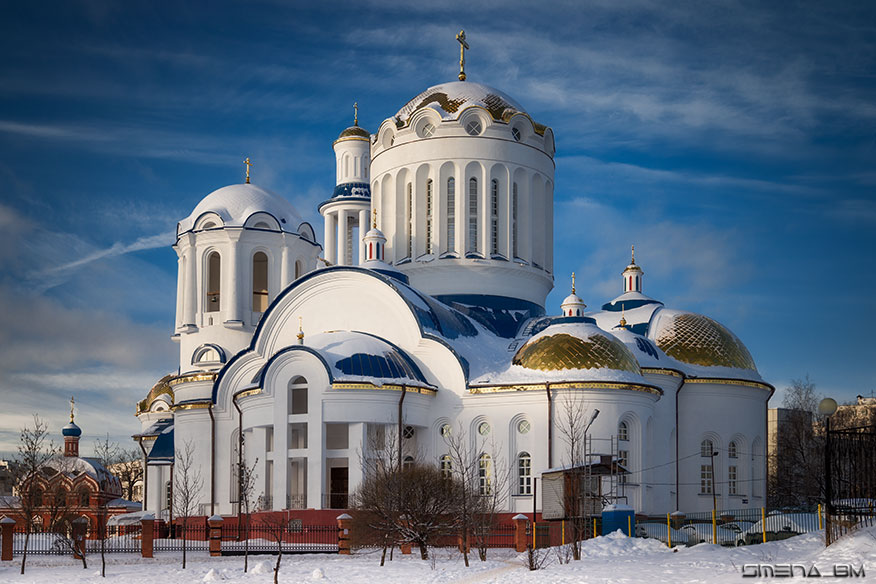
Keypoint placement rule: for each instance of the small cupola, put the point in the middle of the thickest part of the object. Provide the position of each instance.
(71, 433)
(573, 305)
(633, 275)
(375, 241)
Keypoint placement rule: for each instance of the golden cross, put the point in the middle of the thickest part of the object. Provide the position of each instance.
(72, 403)
(573, 282)
(248, 164)
(462, 47)
(634, 253)
(356, 113)
(374, 219)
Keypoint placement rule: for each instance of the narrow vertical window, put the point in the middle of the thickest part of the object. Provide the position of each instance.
(446, 467)
(623, 459)
(731, 480)
(429, 216)
(524, 474)
(214, 266)
(485, 474)
(494, 216)
(472, 215)
(409, 210)
(706, 479)
(259, 282)
(514, 221)
(451, 214)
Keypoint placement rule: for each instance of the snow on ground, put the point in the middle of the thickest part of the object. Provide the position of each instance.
(611, 559)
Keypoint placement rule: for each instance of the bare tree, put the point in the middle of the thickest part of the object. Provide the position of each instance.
(246, 477)
(573, 421)
(398, 503)
(187, 485)
(107, 454)
(796, 467)
(481, 481)
(277, 526)
(33, 454)
(128, 467)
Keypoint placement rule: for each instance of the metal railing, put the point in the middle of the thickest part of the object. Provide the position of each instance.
(296, 501)
(336, 501)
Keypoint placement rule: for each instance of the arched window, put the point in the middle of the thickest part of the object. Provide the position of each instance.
(514, 221)
(259, 282)
(494, 216)
(84, 497)
(524, 474)
(732, 450)
(472, 215)
(409, 210)
(451, 214)
(61, 497)
(623, 431)
(408, 462)
(299, 271)
(429, 216)
(446, 467)
(485, 474)
(168, 494)
(298, 395)
(706, 448)
(214, 282)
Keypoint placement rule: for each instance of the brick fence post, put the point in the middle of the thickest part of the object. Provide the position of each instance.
(520, 540)
(215, 523)
(7, 527)
(344, 521)
(79, 527)
(147, 535)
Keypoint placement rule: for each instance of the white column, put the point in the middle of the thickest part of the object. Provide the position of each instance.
(358, 443)
(191, 285)
(180, 289)
(330, 238)
(342, 238)
(230, 298)
(364, 226)
(287, 272)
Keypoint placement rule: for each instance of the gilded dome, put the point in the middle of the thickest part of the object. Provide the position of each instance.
(699, 340)
(575, 346)
(354, 132)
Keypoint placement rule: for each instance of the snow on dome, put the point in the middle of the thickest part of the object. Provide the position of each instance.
(235, 204)
(698, 340)
(577, 345)
(357, 356)
(451, 99)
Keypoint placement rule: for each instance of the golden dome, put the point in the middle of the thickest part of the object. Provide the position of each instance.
(699, 340)
(354, 131)
(561, 350)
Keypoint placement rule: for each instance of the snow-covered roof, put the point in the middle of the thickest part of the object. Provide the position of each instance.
(366, 358)
(73, 466)
(235, 204)
(451, 99)
(569, 349)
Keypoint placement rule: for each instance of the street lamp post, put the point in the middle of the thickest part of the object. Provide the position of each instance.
(712, 455)
(827, 407)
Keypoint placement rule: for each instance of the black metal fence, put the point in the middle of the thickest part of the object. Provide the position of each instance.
(736, 527)
(850, 480)
(171, 538)
(41, 543)
(291, 537)
(119, 539)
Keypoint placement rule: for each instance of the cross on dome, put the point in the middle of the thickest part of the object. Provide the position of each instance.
(463, 45)
(248, 164)
(355, 113)
(72, 403)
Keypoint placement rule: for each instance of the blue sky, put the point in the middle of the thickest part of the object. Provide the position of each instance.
(732, 142)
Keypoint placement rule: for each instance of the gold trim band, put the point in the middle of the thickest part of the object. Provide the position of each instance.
(194, 406)
(566, 385)
(191, 378)
(720, 381)
(249, 392)
(388, 386)
(662, 371)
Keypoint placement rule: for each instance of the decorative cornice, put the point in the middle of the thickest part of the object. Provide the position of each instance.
(191, 378)
(723, 381)
(192, 406)
(388, 386)
(663, 371)
(610, 385)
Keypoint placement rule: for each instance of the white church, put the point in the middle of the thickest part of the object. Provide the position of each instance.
(423, 309)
